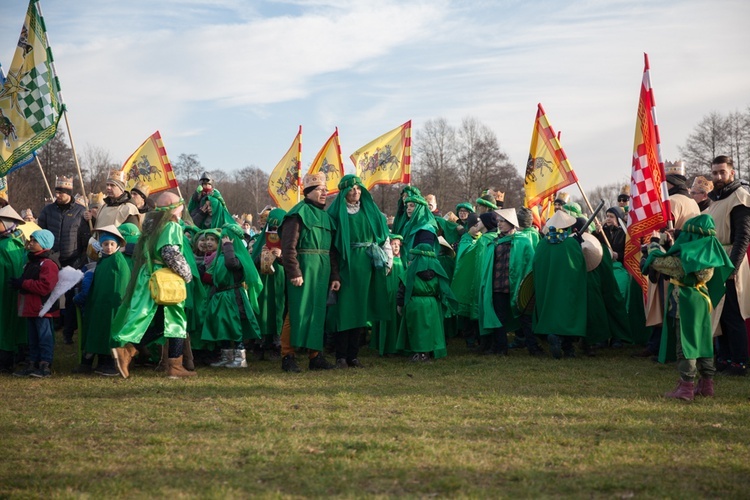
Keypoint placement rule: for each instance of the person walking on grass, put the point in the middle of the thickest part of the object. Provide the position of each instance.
(34, 287)
(698, 266)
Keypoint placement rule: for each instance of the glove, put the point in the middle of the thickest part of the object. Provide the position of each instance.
(15, 283)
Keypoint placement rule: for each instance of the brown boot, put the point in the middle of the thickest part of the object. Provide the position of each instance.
(123, 356)
(175, 369)
(704, 387)
(187, 356)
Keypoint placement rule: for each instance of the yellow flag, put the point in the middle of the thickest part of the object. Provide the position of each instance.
(150, 164)
(30, 101)
(329, 162)
(284, 182)
(548, 169)
(387, 159)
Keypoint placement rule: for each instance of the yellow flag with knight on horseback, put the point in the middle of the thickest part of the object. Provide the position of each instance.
(329, 162)
(547, 169)
(149, 164)
(385, 160)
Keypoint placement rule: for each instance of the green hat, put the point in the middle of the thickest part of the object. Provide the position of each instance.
(465, 205)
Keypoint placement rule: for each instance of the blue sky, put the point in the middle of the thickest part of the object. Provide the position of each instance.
(231, 80)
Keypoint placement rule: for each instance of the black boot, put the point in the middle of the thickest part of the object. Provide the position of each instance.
(319, 362)
(288, 364)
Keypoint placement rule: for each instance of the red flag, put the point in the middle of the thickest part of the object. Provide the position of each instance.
(649, 199)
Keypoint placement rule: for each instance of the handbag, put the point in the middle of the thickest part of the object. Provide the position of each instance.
(166, 286)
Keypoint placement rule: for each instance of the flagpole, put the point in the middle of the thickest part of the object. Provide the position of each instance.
(299, 166)
(591, 210)
(46, 183)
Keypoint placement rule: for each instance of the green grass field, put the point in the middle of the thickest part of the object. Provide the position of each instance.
(465, 426)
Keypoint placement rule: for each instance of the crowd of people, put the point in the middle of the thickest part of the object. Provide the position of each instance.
(172, 283)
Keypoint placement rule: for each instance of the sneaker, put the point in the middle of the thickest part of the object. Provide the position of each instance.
(43, 371)
(341, 363)
(288, 364)
(355, 363)
(25, 372)
(424, 358)
(107, 371)
(319, 362)
(555, 346)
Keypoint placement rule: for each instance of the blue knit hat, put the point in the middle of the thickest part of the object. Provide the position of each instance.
(45, 238)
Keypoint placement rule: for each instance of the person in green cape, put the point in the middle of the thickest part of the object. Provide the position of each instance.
(12, 261)
(506, 263)
(233, 302)
(130, 234)
(486, 202)
(272, 299)
(207, 207)
(140, 319)
(400, 219)
(103, 299)
(698, 266)
(311, 266)
(465, 280)
(560, 286)
(420, 226)
(488, 223)
(463, 210)
(365, 256)
(424, 295)
(385, 332)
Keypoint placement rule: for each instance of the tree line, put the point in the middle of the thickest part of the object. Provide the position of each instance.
(456, 163)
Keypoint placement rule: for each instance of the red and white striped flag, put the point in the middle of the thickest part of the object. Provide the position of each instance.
(649, 199)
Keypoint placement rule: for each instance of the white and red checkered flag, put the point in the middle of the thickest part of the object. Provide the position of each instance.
(649, 199)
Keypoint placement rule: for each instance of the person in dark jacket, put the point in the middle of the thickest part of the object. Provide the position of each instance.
(34, 287)
(63, 219)
(614, 224)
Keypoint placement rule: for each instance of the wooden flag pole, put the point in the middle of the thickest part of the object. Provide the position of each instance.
(78, 166)
(46, 183)
(591, 209)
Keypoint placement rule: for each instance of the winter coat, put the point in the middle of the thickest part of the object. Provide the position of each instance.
(39, 279)
(63, 221)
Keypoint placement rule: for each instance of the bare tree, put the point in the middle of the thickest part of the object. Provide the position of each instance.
(187, 169)
(738, 138)
(708, 140)
(96, 165)
(434, 161)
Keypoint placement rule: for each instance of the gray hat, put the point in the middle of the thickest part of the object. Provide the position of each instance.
(206, 177)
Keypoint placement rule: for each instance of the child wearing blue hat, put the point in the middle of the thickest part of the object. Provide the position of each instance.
(34, 287)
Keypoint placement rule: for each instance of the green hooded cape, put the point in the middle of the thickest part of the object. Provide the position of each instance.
(12, 262)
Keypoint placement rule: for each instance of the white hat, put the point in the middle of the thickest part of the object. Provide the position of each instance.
(592, 251)
(560, 220)
(509, 214)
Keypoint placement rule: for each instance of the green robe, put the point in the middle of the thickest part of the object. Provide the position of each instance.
(385, 333)
(307, 303)
(560, 289)
(12, 261)
(195, 302)
(105, 295)
(521, 259)
(694, 324)
(362, 296)
(465, 279)
(607, 314)
(484, 245)
(223, 319)
(134, 317)
(421, 326)
(448, 229)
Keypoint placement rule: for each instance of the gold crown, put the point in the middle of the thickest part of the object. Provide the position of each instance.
(116, 175)
(96, 200)
(499, 195)
(677, 167)
(142, 188)
(625, 189)
(64, 182)
(313, 180)
(702, 184)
